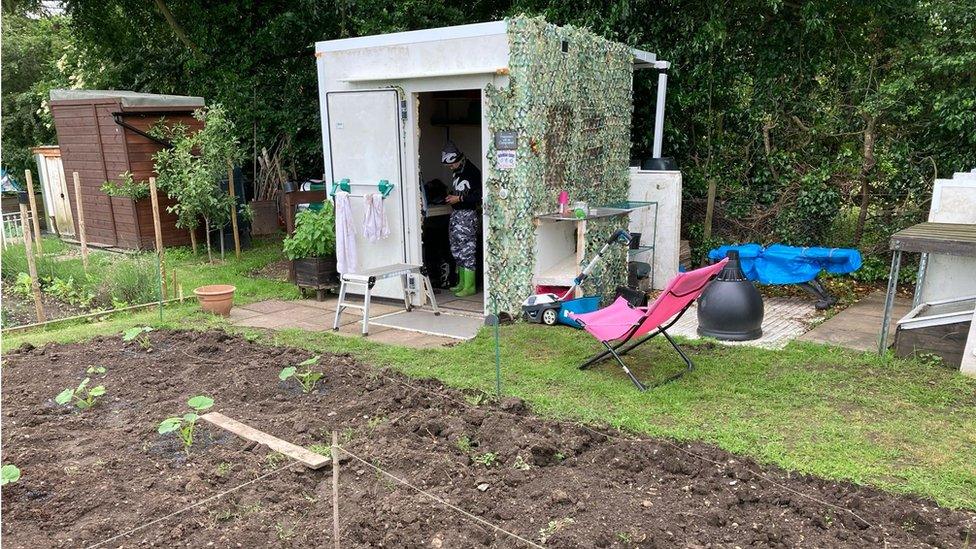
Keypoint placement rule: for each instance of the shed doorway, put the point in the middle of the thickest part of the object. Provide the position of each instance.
(448, 117)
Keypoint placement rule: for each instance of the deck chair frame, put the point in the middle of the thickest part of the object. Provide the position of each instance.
(624, 345)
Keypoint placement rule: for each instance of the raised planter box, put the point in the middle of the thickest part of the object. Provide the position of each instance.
(316, 273)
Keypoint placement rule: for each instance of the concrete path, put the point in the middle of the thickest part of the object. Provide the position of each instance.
(857, 327)
(317, 316)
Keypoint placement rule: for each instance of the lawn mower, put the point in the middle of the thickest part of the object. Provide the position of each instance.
(545, 308)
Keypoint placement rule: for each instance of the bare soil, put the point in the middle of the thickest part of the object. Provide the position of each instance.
(18, 310)
(91, 475)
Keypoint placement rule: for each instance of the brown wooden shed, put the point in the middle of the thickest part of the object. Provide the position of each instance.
(102, 134)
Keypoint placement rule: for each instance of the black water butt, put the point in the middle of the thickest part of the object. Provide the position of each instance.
(731, 308)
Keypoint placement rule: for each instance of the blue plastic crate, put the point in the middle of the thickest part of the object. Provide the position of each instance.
(586, 304)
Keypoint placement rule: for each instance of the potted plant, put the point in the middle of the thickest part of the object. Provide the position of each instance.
(312, 248)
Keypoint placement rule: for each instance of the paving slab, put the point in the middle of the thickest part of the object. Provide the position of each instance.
(241, 313)
(785, 319)
(315, 316)
(270, 306)
(857, 327)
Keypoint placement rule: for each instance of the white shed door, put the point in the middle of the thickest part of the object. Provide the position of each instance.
(366, 146)
(56, 193)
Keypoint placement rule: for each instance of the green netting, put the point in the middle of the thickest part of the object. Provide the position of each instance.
(569, 98)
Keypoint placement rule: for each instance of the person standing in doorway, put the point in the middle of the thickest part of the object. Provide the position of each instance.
(465, 197)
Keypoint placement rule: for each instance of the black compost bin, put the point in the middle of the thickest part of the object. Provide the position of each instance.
(731, 307)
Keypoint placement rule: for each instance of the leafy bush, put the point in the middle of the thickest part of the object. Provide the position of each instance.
(70, 292)
(314, 234)
(133, 280)
(23, 286)
(127, 187)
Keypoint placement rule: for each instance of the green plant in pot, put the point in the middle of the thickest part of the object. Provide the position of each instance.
(312, 248)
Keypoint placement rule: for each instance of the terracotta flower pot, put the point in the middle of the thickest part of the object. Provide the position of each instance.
(216, 298)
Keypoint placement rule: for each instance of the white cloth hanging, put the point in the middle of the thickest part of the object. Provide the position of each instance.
(346, 258)
(374, 221)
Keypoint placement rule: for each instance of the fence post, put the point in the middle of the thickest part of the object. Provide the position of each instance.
(35, 220)
(81, 221)
(31, 266)
(157, 227)
(233, 209)
(335, 489)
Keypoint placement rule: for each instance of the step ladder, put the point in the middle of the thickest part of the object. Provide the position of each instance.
(367, 279)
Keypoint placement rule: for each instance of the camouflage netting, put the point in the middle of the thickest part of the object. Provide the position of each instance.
(569, 99)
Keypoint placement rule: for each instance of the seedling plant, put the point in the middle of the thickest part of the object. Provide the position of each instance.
(9, 474)
(304, 373)
(84, 397)
(138, 333)
(184, 425)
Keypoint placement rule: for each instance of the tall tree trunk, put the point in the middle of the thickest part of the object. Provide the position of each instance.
(867, 164)
(177, 29)
(206, 223)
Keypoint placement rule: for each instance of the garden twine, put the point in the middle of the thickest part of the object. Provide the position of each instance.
(188, 507)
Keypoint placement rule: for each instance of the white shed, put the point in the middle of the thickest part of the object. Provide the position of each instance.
(538, 108)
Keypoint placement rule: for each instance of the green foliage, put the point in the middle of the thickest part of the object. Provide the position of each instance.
(126, 187)
(34, 51)
(9, 474)
(66, 290)
(314, 234)
(464, 443)
(487, 459)
(135, 332)
(138, 333)
(23, 285)
(95, 370)
(83, 396)
(190, 171)
(132, 280)
(304, 373)
(185, 425)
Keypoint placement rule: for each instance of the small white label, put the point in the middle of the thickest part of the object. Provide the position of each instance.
(505, 160)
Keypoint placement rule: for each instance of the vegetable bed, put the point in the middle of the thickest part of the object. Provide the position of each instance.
(90, 474)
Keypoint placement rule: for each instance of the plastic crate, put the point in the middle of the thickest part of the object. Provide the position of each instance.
(586, 304)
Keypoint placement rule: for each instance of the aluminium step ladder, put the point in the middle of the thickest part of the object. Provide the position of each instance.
(367, 279)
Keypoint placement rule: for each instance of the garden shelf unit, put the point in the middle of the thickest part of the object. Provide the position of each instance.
(538, 108)
(102, 134)
(561, 242)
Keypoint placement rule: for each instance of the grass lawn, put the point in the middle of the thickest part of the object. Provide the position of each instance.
(902, 425)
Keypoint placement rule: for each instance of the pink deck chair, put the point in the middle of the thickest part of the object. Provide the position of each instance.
(622, 322)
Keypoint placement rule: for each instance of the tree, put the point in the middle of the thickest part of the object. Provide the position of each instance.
(191, 170)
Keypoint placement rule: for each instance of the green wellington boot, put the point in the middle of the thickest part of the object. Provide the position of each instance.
(460, 283)
(468, 278)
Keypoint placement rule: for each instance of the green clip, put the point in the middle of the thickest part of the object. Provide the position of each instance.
(384, 187)
(342, 185)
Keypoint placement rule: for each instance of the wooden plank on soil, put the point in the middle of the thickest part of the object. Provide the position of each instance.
(309, 458)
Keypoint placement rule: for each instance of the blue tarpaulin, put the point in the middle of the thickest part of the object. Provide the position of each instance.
(781, 264)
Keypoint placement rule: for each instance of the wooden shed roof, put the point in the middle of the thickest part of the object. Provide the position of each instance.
(131, 98)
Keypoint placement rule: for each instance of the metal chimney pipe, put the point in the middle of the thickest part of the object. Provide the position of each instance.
(662, 89)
